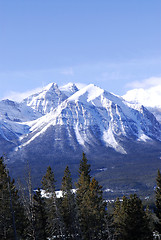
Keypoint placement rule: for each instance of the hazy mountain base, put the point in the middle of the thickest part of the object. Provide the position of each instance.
(119, 174)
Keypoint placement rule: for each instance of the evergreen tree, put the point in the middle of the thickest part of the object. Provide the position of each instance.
(91, 207)
(84, 180)
(54, 222)
(158, 202)
(84, 169)
(68, 207)
(39, 215)
(96, 210)
(120, 215)
(130, 220)
(151, 218)
(12, 217)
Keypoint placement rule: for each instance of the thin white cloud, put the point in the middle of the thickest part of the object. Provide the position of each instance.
(68, 72)
(147, 92)
(18, 96)
(147, 83)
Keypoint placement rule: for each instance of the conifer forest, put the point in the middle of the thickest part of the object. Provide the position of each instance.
(83, 214)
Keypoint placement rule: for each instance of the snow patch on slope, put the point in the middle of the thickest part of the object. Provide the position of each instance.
(110, 140)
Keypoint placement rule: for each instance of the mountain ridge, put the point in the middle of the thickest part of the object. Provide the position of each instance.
(92, 99)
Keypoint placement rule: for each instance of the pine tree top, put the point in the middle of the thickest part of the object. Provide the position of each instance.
(84, 167)
(66, 181)
(48, 181)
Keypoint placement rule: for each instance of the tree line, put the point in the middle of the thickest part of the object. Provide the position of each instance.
(81, 215)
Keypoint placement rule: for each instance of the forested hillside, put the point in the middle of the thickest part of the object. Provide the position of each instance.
(83, 214)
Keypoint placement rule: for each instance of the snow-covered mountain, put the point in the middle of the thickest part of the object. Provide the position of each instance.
(92, 116)
(55, 125)
(89, 116)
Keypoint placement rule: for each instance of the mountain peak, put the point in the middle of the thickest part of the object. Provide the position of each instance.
(69, 89)
(51, 87)
(87, 94)
(47, 99)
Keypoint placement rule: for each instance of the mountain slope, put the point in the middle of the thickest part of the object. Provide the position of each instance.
(13, 118)
(17, 112)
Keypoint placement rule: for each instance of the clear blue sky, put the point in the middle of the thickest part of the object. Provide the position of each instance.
(111, 43)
